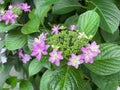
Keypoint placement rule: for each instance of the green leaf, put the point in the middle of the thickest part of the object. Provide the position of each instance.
(41, 12)
(34, 67)
(108, 61)
(45, 80)
(31, 26)
(4, 74)
(30, 42)
(71, 20)
(45, 62)
(88, 22)
(2, 41)
(17, 2)
(109, 15)
(25, 85)
(108, 37)
(37, 16)
(97, 38)
(1, 67)
(63, 78)
(65, 6)
(4, 28)
(12, 81)
(39, 3)
(15, 40)
(109, 82)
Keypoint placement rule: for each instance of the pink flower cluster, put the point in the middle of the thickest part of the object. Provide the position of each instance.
(72, 27)
(89, 52)
(9, 16)
(57, 28)
(23, 6)
(87, 56)
(24, 57)
(39, 46)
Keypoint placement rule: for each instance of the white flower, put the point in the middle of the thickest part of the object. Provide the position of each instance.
(3, 59)
(1, 1)
(2, 50)
(82, 35)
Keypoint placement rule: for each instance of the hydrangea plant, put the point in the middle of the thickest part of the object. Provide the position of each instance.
(59, 44)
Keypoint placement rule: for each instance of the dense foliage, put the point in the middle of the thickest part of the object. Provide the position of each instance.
(60, 44)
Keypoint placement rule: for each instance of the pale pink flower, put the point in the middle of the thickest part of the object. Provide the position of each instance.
(20, 53)
(55, 57)
(94, 48)
(3, 50)
(9, 17)
(3, 59)
(39, 46)
(72, 27)
(87, 55)
(39, 49)
(26, 58)
(24, 6)
(89, 52)
(10, 7)
(55, 29)
(75, 60)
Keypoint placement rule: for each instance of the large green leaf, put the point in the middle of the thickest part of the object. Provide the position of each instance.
(108, 61)
(4, 74)
(108, 37)
(15, 40)
(26, 85)
(34, 67)
(109, 82)
(65, 6)
(63, 78)
(4, 28)
(31, 26)
(109, 14)
(39, 3)
(37, 16)
(88, 22)
(12, 81)
(71, 20)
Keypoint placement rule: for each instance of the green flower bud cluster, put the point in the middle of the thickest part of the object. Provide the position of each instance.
(17, 10)
(68, 42)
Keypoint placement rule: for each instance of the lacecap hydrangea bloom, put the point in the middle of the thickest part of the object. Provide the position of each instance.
(60, 46)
